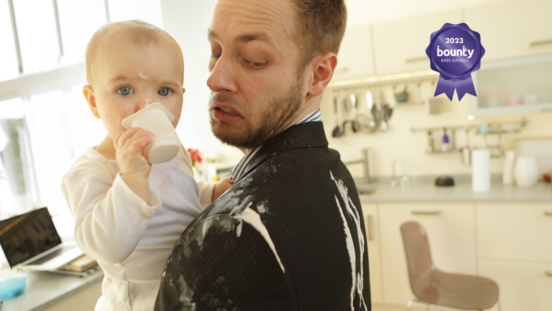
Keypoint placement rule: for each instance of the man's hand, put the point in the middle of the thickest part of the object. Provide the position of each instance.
(220, 188)
(133, 165)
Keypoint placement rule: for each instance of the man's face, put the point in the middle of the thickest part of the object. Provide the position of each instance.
(128, 78)
(256, 87)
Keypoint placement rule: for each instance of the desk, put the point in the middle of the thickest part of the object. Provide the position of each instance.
(45, 289)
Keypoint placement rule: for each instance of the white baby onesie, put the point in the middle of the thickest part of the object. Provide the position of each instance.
(131, 239)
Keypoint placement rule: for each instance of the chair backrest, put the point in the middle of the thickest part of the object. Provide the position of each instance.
(418, 260)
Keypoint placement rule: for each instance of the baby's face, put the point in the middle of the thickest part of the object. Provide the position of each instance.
(128, 77)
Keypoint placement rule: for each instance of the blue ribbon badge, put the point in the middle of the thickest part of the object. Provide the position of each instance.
(455, 51)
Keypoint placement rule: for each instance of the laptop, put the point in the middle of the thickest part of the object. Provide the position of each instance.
(31, 242)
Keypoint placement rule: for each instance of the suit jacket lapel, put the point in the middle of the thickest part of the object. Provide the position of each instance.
(306, 135)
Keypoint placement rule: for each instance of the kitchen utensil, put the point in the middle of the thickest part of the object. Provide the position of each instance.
(156, 119)
(353, 120)
(369, 100)
(484, 128)
(367, 122)
(402, 97)
(346, 113)
(508, 169)
(526, 171)
(337, 132)
(429, 148)
(481, 170)
(387, 112)
(12, 287)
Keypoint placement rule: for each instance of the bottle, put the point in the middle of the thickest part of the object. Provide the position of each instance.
(445, 147)
(429, 142)
(508, 169)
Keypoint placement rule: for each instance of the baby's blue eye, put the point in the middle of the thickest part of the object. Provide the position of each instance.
(125, 90)
(164, 92)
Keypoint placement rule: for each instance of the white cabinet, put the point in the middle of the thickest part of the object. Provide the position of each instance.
(355, 58)
(515, 231)
(371, 223)
(514, 248)
(512, 28)
(451, 232)
(400, 45)
(523, 285)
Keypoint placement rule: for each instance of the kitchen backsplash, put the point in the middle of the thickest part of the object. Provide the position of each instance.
(401, 144)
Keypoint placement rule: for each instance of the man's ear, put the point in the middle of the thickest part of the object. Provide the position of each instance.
(323, 69)
(88, 92)
(183, 90)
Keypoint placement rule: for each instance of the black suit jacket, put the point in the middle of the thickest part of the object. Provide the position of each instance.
(289, 235)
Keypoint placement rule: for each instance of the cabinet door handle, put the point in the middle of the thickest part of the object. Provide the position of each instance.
(537, 43)
(548, 272)
(547, 213)
(415, 212)
(370, 227)
(416, 59)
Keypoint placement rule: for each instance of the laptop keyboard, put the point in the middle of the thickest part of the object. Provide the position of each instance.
(53, 254)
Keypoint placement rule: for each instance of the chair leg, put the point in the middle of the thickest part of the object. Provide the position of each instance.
(409, 304)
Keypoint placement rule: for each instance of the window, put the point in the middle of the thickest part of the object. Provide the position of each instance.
(36, 26)
(45, 122)
(18, 189)
(79, 20)
(8, 56)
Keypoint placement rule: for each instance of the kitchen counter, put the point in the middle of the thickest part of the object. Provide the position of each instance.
(45, 289)
(426, 191)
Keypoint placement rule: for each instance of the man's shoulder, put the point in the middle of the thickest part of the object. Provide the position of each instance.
(224, 262)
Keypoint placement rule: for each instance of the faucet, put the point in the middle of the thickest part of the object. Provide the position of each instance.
(365, 163)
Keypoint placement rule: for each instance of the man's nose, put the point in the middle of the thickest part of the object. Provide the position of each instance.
(222, 77)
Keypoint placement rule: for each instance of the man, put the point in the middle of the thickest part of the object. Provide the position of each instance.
(289, 233)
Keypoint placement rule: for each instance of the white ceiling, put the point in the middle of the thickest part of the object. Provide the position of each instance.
(375, 11)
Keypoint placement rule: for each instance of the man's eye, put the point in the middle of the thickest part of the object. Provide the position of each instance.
(256, 64)
(215, 55)
(164, 92)
(125, 90)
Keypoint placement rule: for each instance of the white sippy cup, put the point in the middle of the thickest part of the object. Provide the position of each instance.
(156, 119)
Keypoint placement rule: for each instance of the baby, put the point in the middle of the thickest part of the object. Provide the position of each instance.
(129, 214)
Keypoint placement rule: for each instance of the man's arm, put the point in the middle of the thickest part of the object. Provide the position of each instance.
(223, 263)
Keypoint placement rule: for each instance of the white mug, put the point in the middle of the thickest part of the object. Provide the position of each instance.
(156, 119)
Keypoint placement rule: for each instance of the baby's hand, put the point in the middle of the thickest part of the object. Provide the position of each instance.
(130, 146)
(220, 188)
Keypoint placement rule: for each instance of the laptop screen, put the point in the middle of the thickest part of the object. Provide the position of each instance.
(24, 236)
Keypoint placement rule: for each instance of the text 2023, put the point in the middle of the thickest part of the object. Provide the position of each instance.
(454, 40)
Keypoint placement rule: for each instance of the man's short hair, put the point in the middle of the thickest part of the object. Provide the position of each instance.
(136, 32)
(322, 25)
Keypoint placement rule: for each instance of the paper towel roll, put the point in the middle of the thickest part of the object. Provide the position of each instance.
(481, 170)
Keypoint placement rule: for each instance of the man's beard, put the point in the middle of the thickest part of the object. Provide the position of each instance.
(279, 112)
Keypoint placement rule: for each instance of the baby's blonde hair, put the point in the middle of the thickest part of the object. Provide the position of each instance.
(137, 32)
